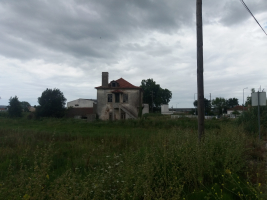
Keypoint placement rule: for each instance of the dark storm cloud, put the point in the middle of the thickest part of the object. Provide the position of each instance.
(85, 28)
(95, 29)
(67, 44)
(236, 13)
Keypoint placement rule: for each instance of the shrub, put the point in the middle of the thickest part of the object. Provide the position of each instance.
(249, 119)
(52, 104)
(14, 108)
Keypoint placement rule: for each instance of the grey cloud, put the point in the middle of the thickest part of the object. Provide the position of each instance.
(88, 28)
(235, 13)
(128, 39)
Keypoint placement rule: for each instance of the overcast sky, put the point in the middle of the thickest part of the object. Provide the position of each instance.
(67, 44)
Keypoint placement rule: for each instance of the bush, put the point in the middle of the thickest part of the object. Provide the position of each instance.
(14, 108)
(3, 114)
(249, 119)
(52, 104)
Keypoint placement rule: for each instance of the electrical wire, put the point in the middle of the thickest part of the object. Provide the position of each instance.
(252, 15)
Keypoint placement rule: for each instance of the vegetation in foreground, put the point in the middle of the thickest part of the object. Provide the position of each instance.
(155, 158)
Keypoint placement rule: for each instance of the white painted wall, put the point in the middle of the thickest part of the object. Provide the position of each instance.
(145, 109)
(81, 103)
(164, 108)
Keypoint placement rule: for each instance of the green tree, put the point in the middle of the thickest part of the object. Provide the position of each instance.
(25, 106)
(220, 105)
(232, 102)
(52, 104)
(151, 90)
(207, 105)
(14, 108)
(236, 112)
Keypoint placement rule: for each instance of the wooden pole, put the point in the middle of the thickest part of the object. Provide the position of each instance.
(259, 115)
(200, 82)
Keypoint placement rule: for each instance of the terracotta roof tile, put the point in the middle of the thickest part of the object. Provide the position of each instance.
(123, 84)
(238, 108)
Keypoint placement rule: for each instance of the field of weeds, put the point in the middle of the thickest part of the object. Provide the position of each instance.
(152, 158)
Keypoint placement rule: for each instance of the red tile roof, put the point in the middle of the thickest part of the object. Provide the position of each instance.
(238, 108)
(123, 84)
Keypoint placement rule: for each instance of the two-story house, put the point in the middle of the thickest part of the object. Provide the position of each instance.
(118, 99)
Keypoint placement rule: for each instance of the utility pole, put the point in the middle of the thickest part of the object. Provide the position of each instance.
(194, 105)
(210, 102)
(259, 121)
(152, 93)
(200, 82)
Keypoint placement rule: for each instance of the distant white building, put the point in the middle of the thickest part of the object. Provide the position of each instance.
(82, 103)
(82, 109)
(240, 109)
(32, 109)
(165, 109)
(3, 108)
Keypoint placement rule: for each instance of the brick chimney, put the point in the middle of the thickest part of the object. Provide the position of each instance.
(105, 79)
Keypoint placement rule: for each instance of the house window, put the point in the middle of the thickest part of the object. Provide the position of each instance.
(117, 98)
(113, 84)
(125, 98)
(76, 104)
(109, 97)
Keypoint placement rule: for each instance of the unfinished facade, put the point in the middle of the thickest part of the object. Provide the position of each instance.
(82, 109)
(118, 99)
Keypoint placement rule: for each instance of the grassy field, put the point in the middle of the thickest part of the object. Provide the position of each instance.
(152, 158)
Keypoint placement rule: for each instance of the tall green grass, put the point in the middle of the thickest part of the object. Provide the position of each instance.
(142, 159)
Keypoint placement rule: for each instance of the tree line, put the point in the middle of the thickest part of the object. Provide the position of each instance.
(52, 101)
(218, 105)
(51, 104)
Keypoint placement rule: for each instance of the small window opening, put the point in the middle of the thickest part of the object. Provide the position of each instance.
(109, 97)
(113, 84)
(76, 104)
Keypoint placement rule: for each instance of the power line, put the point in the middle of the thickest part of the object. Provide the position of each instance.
(252, 15)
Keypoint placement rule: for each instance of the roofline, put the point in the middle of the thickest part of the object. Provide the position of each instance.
(83, 99)
(110, 88)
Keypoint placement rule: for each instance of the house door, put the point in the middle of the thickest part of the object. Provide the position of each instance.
(123, 115)
(110, 116)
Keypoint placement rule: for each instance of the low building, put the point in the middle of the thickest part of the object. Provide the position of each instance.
(3, 108)
(82, 103)
(119, 99)
(182, 110)
(82, 109)
(165, 109)
(239, 109)
(32, 109)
